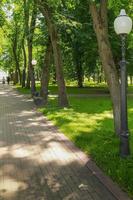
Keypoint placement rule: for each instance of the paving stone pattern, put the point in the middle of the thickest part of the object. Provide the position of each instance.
(36, 163)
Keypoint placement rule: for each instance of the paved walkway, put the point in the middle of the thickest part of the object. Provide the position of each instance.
(36, 161)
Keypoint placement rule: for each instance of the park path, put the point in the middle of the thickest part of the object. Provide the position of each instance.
(36, 161)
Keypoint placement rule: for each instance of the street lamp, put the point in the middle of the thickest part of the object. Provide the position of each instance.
(34, 62)
(33, 85)
(123, 26)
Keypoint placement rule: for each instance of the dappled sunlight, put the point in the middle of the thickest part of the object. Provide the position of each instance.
(32, 124)
(76, 122)
(130, 110)
(38, 153)
(3, 151)
(60, 152)
(21, 152)
(25, 151)
(37, 162)
(9, 187)
(25, 113)
(3, 93)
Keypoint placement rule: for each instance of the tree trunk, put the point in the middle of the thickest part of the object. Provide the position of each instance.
(79, 69)
(30, 46)
(26, 18)
(101, 29)
(25, 65)
(29, 31)
(28, 79)
(23, 78)
(77, 59)
(15, 80)
(17, 70)
(46, 11)
(45, 73)
(20, 75)
(16, 56)
(79, 75)
(131, 79)
(31, 69)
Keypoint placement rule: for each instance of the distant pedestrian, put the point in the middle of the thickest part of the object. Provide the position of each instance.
(8, 80)
(3, 80)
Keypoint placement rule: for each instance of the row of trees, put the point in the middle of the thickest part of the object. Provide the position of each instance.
(69, 39)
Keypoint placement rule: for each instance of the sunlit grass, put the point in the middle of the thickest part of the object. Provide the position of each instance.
(75, 122)
(88, 89)
(89, 124)
(70, 90)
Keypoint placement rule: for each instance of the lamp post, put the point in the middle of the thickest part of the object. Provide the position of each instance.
(123, 26)
(33, 86)
(33, 62)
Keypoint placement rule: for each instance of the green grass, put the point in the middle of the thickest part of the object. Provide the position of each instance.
(92, 89)
(89, 124)
(70, 90)
(25, 90)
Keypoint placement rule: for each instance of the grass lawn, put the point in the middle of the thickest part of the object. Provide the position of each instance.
(92, 89)
(89, 124)
(70, 90)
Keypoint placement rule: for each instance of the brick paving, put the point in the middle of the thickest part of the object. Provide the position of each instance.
(39, 163)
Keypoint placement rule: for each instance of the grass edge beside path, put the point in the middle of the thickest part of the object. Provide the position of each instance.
(88, 123)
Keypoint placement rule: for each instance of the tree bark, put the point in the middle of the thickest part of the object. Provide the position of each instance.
(79, 70)
(100, 24)
(26, 19)
(46, 11)
(17, 70)
(25, 64)
(131, 79)
(78, 64)
(45, 73)
(15, 80)
(30, 48)
(28, 79)
(29, 30)
(31, 69)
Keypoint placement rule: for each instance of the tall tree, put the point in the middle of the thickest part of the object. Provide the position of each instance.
(25, 62)
(100, 24)
(15, 36)
(16, 56)
(29, 30)
(52, 29)
(45, 72)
